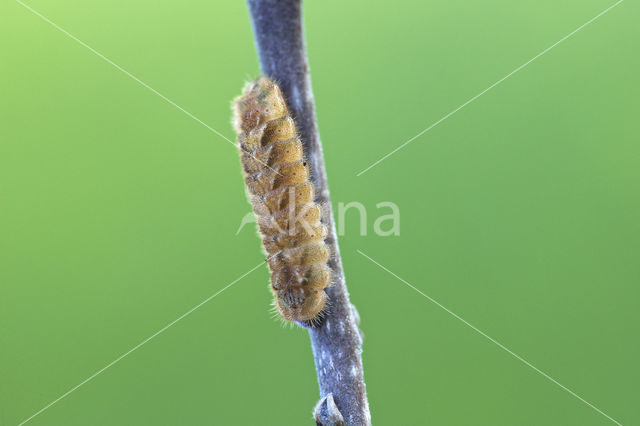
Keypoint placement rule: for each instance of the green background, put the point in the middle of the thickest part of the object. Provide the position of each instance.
(520, 213)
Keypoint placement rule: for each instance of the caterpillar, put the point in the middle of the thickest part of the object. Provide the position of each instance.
(282, 196)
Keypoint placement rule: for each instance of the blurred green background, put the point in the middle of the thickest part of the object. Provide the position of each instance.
(520, 213)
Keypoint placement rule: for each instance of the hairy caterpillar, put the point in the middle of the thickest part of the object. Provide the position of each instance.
(282, 196)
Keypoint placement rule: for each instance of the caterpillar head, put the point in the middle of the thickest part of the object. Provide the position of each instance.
(300, 304)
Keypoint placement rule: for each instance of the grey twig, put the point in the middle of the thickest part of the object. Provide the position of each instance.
(337, 342)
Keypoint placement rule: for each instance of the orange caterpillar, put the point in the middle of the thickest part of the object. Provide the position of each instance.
(282, 196)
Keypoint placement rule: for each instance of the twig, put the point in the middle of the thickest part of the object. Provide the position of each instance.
(337, 342)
